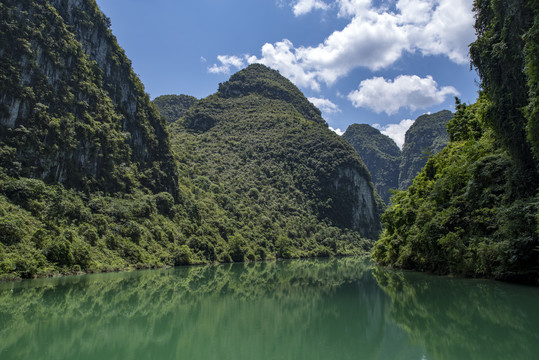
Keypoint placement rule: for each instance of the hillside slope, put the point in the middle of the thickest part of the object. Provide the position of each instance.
(72, 110)
(173, 107)
(474, 208)
(258, 134)
(427, 136)
(380, 154)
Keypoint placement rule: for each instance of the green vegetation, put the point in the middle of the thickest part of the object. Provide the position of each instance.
(173, 107)
(390, 167)
(426, 137)
(474, 208)
(89, 176)
(73, 111)
(380, 154)
(281, 179)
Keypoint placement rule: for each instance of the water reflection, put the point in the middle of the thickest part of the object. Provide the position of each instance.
(464, 318)
(308, 309)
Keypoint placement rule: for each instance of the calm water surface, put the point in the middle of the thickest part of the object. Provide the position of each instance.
(306, 309)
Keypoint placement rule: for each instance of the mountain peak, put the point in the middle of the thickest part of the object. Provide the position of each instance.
(263, 81)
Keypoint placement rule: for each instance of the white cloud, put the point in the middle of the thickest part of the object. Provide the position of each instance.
(396, 132)
(283, 57)
(389, 96)
(374, 38)
(337, 131)
(303, 7)
(226, 63)
(203, 59)
(325, 105)
(448, 31)
(350, 8)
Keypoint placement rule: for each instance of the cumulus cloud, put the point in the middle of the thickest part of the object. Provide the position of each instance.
(374, 38)
(325, 105)
(303, 7)
(226, 63)
(396, 132)
(389, 96)
(336, 131)
(283, 56)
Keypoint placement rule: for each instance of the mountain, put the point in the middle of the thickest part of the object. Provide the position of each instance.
(380, 154)
(426, 137)
(91, 179)
(72, 110)
(259, 135)
(389, 167)
(173, 107)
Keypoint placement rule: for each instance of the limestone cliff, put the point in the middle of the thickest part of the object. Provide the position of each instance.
(380, 154)
(71, 108)
(426, 137)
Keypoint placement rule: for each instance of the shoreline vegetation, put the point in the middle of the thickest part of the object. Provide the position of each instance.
(474, 208)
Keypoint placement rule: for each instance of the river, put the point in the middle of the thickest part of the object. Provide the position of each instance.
(300, 309)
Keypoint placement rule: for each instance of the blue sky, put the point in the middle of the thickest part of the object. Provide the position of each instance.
(379, 62)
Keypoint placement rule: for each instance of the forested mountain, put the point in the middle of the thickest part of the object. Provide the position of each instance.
(174, 107)
(380, 154)
(258, 135)
(71, 108)
(474, 209)
(426, 137)
(390, 167)
(89, 180)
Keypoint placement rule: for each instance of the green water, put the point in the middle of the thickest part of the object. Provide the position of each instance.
(307, 309)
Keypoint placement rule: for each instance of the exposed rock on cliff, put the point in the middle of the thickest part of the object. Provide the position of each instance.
(380, 154)
(71, 105)
(426, 137)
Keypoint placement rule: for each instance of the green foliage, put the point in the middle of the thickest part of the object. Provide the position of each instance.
(465, 125)
(89, 176)
(427, 136)
(260, 184)
(380, 154)
(72, 109)
(260, 80)
(464, 214)
(173, 107)
(473, 210)
(531, 69)
(499, 56)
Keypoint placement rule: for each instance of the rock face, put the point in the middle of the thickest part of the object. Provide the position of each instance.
(173, 107)
(389, 167)
(263, 131)
(380, 154)
(71, 105)
(426, 137)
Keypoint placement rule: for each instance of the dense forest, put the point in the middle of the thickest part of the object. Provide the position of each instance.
(173, 107)
(91, 179)
(474, 208)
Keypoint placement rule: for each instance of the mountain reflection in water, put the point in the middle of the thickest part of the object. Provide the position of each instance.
(301, 309)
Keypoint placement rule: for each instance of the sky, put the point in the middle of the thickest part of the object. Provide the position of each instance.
(377, 62)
